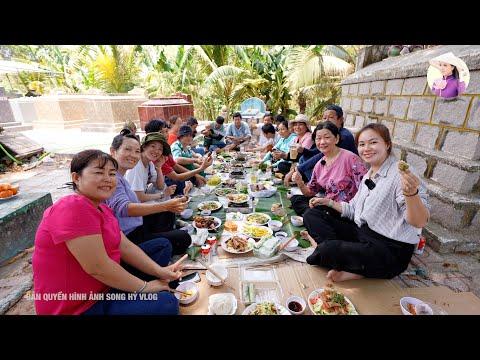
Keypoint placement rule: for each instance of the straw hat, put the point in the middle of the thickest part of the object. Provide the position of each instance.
(449, 58)
(300, 118)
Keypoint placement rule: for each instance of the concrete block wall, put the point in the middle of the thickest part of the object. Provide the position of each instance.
(440, 138)
(99, 113)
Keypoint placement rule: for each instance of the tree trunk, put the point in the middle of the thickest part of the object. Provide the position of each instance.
(302, 102)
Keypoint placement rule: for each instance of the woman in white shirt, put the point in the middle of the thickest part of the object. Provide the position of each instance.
(154, 151)
(377, 232)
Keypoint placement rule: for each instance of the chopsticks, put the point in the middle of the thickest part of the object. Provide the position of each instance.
(284, 245)
(209, 268)
(178, 292)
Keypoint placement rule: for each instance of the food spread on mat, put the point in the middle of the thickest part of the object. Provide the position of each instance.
(331, 302)
(230, 226)
(214, 181)
(256, 231)
(204, 222)
(265, 308)
(237, 198)
(210, 205)
(257, 219)
(238, 243)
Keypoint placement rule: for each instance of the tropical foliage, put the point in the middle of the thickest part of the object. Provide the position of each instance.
(289, 79)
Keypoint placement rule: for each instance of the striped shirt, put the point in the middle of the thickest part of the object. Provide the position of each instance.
(383, 209)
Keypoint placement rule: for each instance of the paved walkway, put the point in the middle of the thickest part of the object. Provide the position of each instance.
(459, 272)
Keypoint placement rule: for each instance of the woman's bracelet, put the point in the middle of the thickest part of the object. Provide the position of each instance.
(142, 288)
(416, 193)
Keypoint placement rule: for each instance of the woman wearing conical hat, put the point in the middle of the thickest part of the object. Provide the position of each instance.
(450, 84)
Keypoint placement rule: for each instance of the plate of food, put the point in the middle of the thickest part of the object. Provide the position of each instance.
(215, 180)
(264, 189)
(255, 231)
(328, 301)
(223, 191)
(237, 245)
(265, 308)
(258, 219)
(209, 205)
(237, 198)
(229, 183)
(237, 174)
(8, 191)
(206, 222)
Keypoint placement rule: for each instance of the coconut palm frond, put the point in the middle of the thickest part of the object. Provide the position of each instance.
(223, 73)
(337, 51)
(201, 52)
(334, 66)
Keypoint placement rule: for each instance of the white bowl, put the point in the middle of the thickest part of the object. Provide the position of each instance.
(292, 246)
(408, 300)
(232, 297)
(300, 301)
(296, 220)
(186, 214)
(275, 225)
(281, 234)
(189, 285)
(212, 279)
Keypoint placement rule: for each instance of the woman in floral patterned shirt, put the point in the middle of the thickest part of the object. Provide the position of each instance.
(336, 177)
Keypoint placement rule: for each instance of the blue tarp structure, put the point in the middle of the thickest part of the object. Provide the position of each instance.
(252, 108)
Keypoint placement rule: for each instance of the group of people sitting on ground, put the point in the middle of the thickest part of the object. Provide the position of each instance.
(362, 213)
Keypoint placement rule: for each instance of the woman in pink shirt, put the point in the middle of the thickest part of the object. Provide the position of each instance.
(78, 248)
(301, 128)
(304, 135)
(336, 177)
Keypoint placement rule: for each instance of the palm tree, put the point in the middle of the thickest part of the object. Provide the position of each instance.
(315, 72)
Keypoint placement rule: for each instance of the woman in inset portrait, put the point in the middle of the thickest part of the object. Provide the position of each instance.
(453, 71)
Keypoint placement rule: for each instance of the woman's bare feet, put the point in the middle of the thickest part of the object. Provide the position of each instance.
(337, 276)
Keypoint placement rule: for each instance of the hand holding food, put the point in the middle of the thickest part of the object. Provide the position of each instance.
(297, 178)
(410, 182)
(403, 166)
(316, 201)
(176, 205)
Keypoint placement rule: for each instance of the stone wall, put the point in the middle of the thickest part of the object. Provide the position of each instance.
(439, 138)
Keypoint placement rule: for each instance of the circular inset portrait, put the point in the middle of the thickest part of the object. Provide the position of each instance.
(448, 76)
